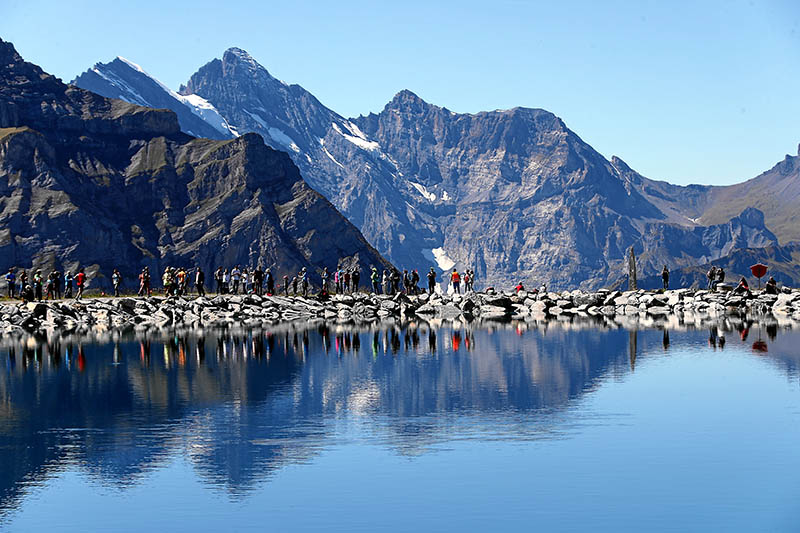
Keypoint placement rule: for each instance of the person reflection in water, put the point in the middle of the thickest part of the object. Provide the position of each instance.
(432, 340)
(456, 340)
(772, 331)
(665, 340)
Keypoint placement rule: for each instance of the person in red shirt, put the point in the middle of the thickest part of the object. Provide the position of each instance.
(80, 281)
(455, 279)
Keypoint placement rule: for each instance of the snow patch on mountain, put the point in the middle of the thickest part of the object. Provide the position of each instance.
(440, 257)
(132, 95)
(322, 143)
(277, 134)
(361, 142)
(196, 103)
(280, 137)
(206, 110)
(431, 197)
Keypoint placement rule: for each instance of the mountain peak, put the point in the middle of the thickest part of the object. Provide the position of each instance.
(239, 55)
(408, 101)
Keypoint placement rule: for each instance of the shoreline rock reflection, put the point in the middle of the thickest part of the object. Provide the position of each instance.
(241, 404)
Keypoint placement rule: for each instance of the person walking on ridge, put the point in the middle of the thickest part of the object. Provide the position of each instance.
(431, 280)
(11, 281)
(270, 283)
(68, 280)
(665, 277)
(116, 279)
(144, 282)
(199, 282)
(374, 277)
(455, 279)
(80, 281)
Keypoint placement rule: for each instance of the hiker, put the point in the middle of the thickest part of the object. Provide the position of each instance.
(80, 282)
(270, 283)
(385, 282)
(218, 279)
(712, 277)
(519, 287)
(183, 281)
(742, 288)
(285, 285)
(395, 279)
(665, 277)
(144, 282)
(200, 281)
(415, 281)
(374, 277)
(304, 282)
(68, 284)
(26, 294)
(346, 281)
(247, 282)
(355, 278)
(466, 279)
(57, 284)
(37, 284)
(226, 282)
(406, 281)
(49, 293)
(295, 281)
(325, 280)
(720, 277)
(431, 280)
(771, 287)
(455, 279)
(258, 281)
(116, 279)
(236, 278)
(11, 281)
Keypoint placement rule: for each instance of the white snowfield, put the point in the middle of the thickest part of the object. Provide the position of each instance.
(277, 134)
(322, 143)
(357, 137)
(440, 257)
(431, 197)
(196, 103)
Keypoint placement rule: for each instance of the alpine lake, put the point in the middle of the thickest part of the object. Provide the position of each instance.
(404, 426)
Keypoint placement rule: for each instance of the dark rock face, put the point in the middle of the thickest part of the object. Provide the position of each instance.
(514, 194)
(101, 183)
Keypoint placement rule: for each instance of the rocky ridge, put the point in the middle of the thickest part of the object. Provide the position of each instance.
(629, 307)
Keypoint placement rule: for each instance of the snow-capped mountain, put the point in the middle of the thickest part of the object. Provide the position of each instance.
(125, 80)
(514, 194)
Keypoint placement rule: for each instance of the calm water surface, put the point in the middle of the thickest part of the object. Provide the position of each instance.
(404, 428)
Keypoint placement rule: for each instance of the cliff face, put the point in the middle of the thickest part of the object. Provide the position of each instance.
(101, 183)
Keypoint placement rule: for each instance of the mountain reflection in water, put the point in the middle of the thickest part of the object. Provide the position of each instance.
(241, 404)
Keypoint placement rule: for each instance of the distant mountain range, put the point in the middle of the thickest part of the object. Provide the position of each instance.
(514, 194)
(96, 182)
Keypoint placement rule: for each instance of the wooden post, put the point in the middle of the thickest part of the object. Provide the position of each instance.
(632, 271)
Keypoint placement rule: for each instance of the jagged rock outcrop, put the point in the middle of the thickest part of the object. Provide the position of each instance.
(101, 183)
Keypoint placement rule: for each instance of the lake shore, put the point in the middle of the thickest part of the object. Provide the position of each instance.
(629, 308)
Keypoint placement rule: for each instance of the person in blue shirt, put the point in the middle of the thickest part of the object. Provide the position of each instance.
(11, 280)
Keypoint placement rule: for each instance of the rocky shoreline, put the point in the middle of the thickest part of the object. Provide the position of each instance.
(625, 308)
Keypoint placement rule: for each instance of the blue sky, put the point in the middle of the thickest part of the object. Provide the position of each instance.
(688, 92)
